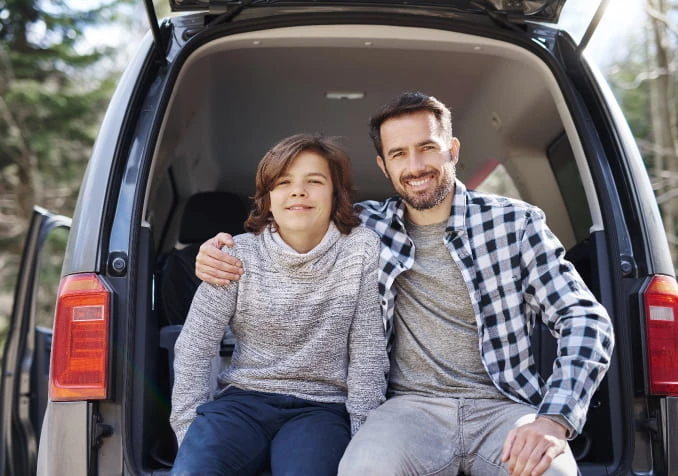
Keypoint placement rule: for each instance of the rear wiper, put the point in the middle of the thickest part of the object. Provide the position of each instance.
(231, 13)
(500, 17)
(509, 13)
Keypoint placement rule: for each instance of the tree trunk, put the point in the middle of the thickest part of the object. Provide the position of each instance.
(663, 113)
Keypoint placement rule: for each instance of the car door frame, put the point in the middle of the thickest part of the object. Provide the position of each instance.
(21, 391)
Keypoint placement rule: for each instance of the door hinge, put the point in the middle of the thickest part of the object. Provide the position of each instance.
(100, 431)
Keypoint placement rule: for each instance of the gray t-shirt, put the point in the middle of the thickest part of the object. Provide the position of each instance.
(435, 349)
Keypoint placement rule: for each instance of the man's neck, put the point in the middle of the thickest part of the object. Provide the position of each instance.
(430, 216)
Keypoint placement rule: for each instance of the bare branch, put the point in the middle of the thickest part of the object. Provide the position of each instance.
(642, 77)
(667, 196)
(654, 149)
(664, 19)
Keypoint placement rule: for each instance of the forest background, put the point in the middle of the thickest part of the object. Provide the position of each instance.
(60, 61)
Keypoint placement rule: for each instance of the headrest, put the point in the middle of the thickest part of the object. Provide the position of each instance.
(208, 213)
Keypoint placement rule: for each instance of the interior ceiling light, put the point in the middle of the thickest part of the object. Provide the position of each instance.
(344, 95)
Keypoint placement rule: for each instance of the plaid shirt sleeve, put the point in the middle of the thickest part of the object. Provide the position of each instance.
(554, 290)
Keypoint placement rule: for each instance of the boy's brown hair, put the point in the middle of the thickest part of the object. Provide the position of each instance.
(278, 159)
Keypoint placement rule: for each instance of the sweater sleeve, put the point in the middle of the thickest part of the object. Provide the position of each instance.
(368, 359)
(198, 343)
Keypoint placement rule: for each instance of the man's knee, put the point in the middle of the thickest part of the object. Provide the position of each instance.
(563, 465)
(367, 459)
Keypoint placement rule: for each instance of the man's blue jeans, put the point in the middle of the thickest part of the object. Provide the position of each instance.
(241, 432)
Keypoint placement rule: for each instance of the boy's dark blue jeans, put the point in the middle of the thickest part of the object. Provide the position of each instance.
(242, 432)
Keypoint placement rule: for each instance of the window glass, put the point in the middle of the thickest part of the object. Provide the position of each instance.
(499, 182)
(49, 273)
(567, 175)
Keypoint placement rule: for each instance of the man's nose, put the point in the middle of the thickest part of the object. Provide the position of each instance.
(415, 161)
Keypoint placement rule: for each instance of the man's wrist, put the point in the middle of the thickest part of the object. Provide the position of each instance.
(561, 421)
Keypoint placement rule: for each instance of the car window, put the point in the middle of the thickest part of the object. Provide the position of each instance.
(500, 182)
(569, 182)
(49, 273)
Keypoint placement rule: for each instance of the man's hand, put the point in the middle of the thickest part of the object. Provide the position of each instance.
(530, 449)
(213, 265)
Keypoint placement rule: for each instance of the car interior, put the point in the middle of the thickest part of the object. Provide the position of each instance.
(236, 96)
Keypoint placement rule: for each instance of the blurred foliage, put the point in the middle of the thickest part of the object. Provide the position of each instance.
(50, 107)
(54, 89)
(646, 86)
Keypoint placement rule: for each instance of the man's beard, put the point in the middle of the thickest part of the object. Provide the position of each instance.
(430, 198)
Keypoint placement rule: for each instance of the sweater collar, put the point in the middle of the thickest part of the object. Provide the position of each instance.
(318, 260)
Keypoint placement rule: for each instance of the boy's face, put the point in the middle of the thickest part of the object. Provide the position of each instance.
(301, 201)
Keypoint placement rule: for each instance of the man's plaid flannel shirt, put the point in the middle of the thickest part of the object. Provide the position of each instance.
(516, 272)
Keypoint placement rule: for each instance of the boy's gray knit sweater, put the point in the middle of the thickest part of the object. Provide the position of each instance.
(307, 325)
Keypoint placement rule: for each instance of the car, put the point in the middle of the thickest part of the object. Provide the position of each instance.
(215, 86)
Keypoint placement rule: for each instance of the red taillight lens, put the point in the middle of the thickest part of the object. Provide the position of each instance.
(79, 367)
(661, 313)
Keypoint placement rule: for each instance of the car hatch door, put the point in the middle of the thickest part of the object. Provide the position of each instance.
(537, 10)
(25, 359)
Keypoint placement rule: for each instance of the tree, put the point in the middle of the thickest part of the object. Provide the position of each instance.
(661, 45)
(646, 86)
(53, 93)
(45, 115)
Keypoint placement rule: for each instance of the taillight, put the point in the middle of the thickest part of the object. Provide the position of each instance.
(661, 312)
(79, 366)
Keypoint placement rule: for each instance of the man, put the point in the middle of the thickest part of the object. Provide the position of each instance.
(464, 394)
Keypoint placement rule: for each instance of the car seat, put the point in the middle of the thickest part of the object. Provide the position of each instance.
(205, 214)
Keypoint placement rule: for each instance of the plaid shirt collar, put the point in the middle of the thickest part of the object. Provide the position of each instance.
(394, 210)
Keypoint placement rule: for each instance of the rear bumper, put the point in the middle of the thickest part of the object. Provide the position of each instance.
(63, 439)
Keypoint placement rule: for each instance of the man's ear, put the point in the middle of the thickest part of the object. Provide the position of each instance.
(455, 145)
(382, 165)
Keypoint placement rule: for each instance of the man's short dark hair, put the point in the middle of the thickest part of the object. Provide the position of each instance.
(408, 103)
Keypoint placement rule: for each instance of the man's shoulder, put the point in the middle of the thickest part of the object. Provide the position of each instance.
(376, 209)
(499, 203)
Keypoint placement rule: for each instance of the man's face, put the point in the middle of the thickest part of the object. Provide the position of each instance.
(418, 159)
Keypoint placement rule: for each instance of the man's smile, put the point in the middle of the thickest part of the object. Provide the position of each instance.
(421, 181)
